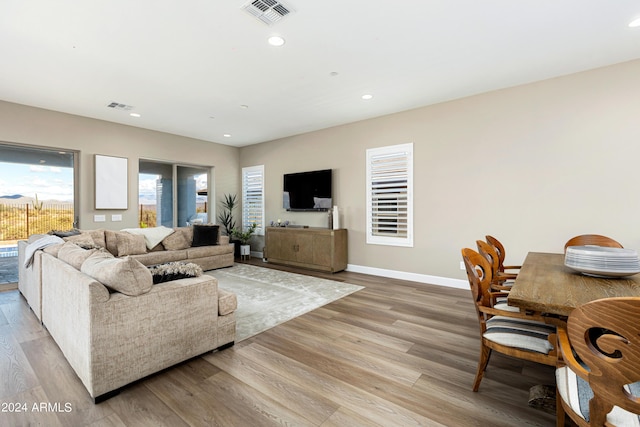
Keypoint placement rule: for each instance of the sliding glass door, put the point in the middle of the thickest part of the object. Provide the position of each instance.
(37, 195)
(172, 195)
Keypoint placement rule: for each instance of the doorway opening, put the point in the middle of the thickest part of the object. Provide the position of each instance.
(37, 195)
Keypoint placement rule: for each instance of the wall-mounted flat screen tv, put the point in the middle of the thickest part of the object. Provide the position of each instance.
(307, 191)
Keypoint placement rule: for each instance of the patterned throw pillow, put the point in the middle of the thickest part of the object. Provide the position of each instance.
(174, 271)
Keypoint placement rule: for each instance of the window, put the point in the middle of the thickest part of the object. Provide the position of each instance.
(253, 197)
(390, 195)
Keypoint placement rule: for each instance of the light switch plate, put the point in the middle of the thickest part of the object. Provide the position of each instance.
(116, 218)
(99, 218)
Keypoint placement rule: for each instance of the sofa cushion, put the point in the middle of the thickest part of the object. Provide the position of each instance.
(180, 239)
(209, 251)
(205, 235)
(152, 235)
(74, 255)
(124, 275)
(130, 244)
(174, 271)
(53, 249)
(83, 240)
(227, 302)
(160, 257)
(97, 236)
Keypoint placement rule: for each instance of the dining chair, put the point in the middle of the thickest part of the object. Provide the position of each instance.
(503, 328)
(592, 239)
(598, 374)
(502, 253)
(501, 281)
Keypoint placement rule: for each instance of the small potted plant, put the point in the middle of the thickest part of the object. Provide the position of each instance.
(243, 237)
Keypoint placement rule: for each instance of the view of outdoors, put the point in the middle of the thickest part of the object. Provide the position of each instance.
(33, 199)
(149, 193)
(36, 197)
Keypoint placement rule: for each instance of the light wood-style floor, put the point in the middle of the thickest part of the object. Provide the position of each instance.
(396, 353)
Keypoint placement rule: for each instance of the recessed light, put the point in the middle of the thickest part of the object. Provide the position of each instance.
(367, 97)
(276, 41)
(635, 23)
(227, 135)
(244, 107)
(333, 73)
(134, 114)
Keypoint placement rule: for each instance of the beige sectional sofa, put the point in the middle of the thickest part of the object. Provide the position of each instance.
(176, 246)
(112, 324)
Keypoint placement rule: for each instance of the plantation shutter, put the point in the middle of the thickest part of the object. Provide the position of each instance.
(253, 197)
(390, 195)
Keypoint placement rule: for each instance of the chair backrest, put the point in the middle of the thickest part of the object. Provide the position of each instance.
(606, 336)
(491, 254)
(592, 239)
(499, 247)
(480, 275)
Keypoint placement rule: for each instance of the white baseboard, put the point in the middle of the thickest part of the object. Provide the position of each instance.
(402, 275)
(414, 277)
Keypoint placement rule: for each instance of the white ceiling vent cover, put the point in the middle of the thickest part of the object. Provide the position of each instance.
(268, 11)
(119, 106)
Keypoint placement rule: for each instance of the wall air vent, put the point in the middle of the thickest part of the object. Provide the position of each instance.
(119, 106)
(268, 11)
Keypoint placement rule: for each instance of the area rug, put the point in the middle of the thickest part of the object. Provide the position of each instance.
(268, 297)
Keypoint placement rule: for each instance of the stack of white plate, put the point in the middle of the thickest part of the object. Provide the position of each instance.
(602, 261)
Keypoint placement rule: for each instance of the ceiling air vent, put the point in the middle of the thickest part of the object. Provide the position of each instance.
(119, 106)
(268, 11)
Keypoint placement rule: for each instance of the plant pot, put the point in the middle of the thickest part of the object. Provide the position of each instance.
(245, 251)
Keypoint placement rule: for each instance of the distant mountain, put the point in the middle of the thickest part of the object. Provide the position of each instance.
(18, 199)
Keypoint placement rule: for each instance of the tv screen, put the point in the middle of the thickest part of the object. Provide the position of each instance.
(307, 191)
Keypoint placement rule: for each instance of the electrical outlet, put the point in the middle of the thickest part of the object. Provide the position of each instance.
(462, 267)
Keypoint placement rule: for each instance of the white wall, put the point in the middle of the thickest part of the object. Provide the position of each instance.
(532, 165)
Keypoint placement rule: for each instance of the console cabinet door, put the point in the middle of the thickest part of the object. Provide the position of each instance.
(314, 248)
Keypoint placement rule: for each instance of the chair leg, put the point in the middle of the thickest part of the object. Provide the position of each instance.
(485, 353)
(560, 415)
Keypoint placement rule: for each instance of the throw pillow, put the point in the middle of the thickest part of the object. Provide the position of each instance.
(130, 244)
(73, 254)
(83, 240)
(97, 236)
(205, 235)
(178, 240)
(125, 275)
(152, 235)
(174, 271)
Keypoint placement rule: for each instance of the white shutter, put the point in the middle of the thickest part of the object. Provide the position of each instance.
(390, 195)
(253, 197)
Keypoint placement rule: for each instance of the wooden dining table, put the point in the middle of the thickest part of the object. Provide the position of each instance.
(545, 285)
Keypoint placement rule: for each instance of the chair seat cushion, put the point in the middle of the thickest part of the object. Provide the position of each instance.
(520, 333)
(576, 392)
(501, 304)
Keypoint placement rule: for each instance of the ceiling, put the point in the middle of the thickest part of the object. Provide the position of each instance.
(203, 69)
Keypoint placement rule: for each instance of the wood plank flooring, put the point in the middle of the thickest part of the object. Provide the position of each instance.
(396, 353)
